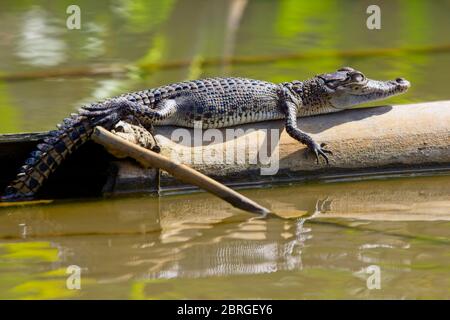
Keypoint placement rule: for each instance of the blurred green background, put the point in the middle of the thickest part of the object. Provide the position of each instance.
(138, 35)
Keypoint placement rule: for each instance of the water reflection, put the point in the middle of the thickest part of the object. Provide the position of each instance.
(400, 226)
(95, 44)
(40, 42)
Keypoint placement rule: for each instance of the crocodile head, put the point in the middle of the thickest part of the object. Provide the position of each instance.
(348, 87)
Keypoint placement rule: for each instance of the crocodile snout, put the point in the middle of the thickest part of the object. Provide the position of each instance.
(403, 82)
(400, 84)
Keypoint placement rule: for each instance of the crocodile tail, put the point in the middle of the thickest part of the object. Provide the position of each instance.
(71, 134)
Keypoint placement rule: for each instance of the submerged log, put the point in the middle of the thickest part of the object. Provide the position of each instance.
(378, 141)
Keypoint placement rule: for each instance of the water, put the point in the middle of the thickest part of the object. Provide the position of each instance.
(195, 246)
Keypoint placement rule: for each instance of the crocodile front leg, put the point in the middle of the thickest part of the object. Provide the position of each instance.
(289, 108)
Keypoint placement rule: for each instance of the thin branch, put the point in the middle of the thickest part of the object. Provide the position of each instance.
(180, 171)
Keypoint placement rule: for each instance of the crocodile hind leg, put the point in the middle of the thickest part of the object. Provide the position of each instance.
(138, 127)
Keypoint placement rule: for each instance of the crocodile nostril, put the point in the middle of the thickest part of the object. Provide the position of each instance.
(400, 79)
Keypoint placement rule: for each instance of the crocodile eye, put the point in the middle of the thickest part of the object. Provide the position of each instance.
(358, 77)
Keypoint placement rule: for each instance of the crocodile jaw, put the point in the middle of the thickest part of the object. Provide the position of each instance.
(373, 90)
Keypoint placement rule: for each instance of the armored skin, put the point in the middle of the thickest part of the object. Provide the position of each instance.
(216, 102)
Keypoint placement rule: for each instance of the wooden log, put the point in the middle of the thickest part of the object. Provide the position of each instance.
(377, 141)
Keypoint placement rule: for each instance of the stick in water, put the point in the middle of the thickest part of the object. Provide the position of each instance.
(180, 171)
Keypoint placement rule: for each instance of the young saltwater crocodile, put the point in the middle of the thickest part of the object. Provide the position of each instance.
(216, 102)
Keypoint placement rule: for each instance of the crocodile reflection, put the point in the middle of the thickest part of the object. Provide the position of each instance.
(199, 236)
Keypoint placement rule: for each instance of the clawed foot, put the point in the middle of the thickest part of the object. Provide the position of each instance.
(320, 151)
(112, 108)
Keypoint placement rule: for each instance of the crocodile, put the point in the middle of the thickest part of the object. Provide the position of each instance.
(216, 102)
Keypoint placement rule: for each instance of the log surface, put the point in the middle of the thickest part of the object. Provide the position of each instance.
(378, 140)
